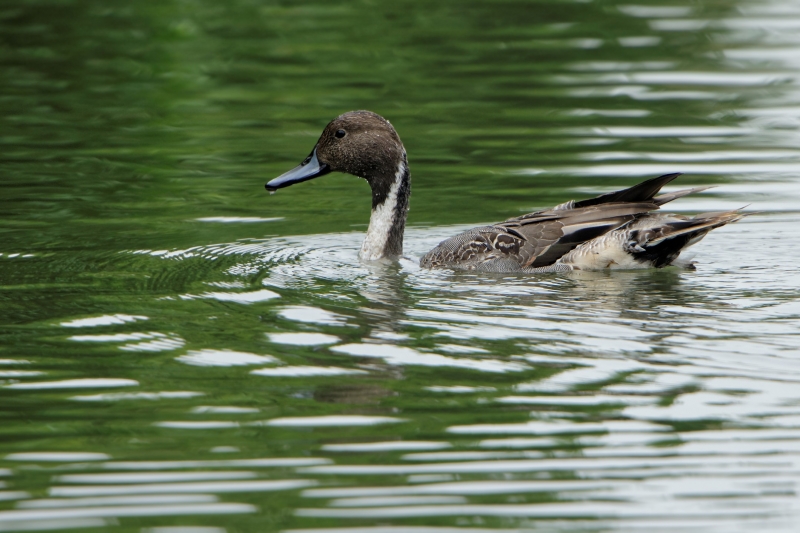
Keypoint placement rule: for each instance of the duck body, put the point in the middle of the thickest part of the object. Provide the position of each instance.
(622, 229)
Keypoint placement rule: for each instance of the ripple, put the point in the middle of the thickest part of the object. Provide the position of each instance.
(238, 220)
(405, 529)
(123, 396)
(184, 529)
(59, 457)
(369, 447)
(197, 424)
(470, 456)
(593, 400)
(306, 371)
(645, 169)
(377, 501)
(41, 515)
(161, 342)
(465, 488)
(312, 315)
(459, 389)
(400, 355)
(563, 510)
(281, 462)
(302, 339)
(639, 41)
(223, 409)
(655, 11)
(105, 320)
(118, 337)
(19, 373)
(671, 78)
(209, 357)
(185, 488)
(116, 500)
(661, 131)
(152, 477)
(554, 427)
(332, 420)
(85, 383)
(237, 297)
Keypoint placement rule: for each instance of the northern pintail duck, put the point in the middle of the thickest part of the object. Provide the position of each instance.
(616, 230)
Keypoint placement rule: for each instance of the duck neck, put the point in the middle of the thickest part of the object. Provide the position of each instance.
(389, 210)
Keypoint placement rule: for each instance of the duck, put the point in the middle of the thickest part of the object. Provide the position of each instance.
(617, 230)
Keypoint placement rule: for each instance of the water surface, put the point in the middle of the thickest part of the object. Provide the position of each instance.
(180, 351)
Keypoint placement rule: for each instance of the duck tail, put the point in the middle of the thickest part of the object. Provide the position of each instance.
(661, 245)
(662, 199)
(641, 192)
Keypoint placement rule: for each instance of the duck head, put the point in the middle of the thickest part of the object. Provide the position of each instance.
(364, 144)
(361, 143)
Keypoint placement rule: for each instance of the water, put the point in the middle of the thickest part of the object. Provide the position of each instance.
(182, 352)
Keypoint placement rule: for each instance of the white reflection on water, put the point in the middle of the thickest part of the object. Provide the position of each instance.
(184, 529)
(56, 456)
(19, 373)
(459, 389)
(313, 315)
(238, 297)
(239, 220)
(161, 342)
(401, 355)
(197, 424)
(594, 400)
(302, 339)
(396, 501)
(117, 396)
(18, 519)
(362, 447)
(209, 357)
(211, 487)
(565, 510)
(305, 371)
(332, 420)
(153, 477)
(223, 409)
(161, 499)
(407, 529)
(105, 320)
(83, 383)
(470, 456)
(281, 462)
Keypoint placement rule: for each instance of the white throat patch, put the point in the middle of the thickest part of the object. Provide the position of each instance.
(382, 220)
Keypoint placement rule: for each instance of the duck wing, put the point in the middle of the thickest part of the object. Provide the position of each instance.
(535, 241)
(547, 239)
(532, 241)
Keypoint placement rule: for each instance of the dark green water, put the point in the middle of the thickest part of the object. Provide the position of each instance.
(182, 352)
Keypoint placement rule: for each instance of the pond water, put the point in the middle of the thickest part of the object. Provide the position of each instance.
(181, 352)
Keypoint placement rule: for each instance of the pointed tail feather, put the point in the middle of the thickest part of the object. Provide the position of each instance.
(640, 192)
(675, 236)
(662, 199)
(703, 221)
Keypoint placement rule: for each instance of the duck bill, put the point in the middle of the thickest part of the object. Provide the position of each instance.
(309, 169)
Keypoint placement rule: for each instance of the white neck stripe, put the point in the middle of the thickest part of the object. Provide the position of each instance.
(382, 220)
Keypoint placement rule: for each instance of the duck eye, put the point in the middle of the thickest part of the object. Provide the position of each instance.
(340, 133)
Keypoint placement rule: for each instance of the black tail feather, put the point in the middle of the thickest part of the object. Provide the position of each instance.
(641, 192)
(668, 250)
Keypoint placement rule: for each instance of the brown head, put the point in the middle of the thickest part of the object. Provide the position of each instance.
(361, 143)
(364, 144)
